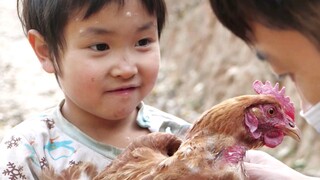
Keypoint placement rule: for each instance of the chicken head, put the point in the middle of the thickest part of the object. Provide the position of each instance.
(271, 122)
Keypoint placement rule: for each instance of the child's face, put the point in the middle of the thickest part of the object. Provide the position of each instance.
(290, 53)
(110, 62)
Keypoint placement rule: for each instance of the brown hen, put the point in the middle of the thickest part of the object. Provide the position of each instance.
(216, 144)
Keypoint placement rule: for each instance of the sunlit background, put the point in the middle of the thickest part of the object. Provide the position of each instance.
(202, 64)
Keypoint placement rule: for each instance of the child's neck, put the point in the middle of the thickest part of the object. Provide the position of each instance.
(118, 133)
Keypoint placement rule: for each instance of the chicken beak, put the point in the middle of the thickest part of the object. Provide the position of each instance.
(293, 131)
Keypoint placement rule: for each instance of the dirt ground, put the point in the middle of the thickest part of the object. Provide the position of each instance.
(202, 64)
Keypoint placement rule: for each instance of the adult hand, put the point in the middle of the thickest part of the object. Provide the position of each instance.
(262, 166)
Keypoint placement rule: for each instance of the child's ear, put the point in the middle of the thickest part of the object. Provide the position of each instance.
(40, 47)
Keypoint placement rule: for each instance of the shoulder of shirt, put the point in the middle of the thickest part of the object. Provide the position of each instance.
(159, 121)
(35, 125)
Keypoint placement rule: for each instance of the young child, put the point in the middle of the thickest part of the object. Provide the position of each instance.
(285, 33)
(105, 55)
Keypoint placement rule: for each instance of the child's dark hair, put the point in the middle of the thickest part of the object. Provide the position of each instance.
(49, 18)
(237, 15)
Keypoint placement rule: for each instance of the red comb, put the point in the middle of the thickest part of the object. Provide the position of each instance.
(267, 89)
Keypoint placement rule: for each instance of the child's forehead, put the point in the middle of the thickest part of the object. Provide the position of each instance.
(112, 18)
(133, 10)
(89, 9)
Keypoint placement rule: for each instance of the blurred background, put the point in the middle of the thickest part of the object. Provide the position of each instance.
(202, 65)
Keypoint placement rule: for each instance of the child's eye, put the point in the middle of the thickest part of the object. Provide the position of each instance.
(143, 42)
(100, 47)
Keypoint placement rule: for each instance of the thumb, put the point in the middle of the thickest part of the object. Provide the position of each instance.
(254, 171)
(252, 156)
(253, 167)
(256, 157)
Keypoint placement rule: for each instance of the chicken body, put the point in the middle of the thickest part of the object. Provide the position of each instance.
(214, 147)
(195, 159)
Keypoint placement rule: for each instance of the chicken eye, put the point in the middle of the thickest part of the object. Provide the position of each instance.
(271, 111)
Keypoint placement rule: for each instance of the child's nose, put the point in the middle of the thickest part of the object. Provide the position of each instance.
(124, 69)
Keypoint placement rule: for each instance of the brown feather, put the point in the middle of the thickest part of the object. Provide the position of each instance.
(81, 171)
